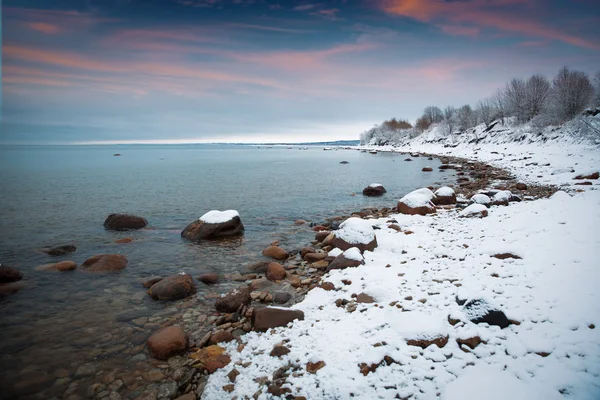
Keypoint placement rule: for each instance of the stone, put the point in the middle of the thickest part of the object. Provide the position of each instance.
(9, 274)
(314, 367)
(427, 169)
(321, 264)
(209, 278)
(149, 282)
(404, 208)
(341, 262)
(220, 336)
(444, 196)
(322, 235)
(85, 370)
(232, 375)
(167, 342)
(423, 343)
(343, 245)
(593, 175)
(279, 350)
(275, 272)
(364, 298)
(504, 256)
(59, 250)
(327, 286)
(471, 342)
(104, 263)
(374, 190)
(187, 396)
(210, 358)
(124, 240)
(313, 257)
(124, 222)
(229, 388)
(299, 222)
(521, 186)
(479, 311)
(154, 375)
(168, 390)
(200, 230)
(306, 250)
(268, 317)
(174, 287)
(62, 266)
(234, 300)
(258, 266)
(275, 252)
(281, 297)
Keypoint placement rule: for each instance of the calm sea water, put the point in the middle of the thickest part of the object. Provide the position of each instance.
(58, 195)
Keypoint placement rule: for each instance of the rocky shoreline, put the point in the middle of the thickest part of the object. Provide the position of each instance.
(284, 281)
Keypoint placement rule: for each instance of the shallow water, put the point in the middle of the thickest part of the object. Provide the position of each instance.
(61, 195)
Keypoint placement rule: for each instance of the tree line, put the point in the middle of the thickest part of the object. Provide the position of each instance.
(536, 100)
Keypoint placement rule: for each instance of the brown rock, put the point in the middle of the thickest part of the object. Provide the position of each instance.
(149, 282)
(299, 222)
(395, 227)
(124, 222)
(258, 266)
(320, 228)
(374, 191)
(314, 367)
(364, 298)
(234, 299)
(427, 169)
(59, 250)
(275, 272)
(265, 318)
(275, 252)
(321, 264)
(471, 342)
(210, 358)
(167, 342)
(279, 350)
(174, 287)
(321, 235)
(187, 396)
(521, 186)
(220, 336)
(200, 230)
(341, 262)
(62, 266)
(233, 374)
(313, 257)
(209, 278)
(343, 245)
(423, 210)
(594, 175)
(104, 263)
(586, 183)
(306, 250)
(440, 342)
(10, 288)
(327, 286)
(294, 280)
(504, 256)
(124, 240)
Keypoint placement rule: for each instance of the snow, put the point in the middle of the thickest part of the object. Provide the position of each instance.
(335, 252)
(480, 198)
(374, 185)
(492, 383)
(554, 351)
(473, 209)
(503, 195)
(353, 254)
(218, 217)
(445, 191)
(418, 198)
(356, 231)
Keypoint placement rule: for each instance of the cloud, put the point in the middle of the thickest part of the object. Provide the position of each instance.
(306, 7)
(463, 17)
(44, 27)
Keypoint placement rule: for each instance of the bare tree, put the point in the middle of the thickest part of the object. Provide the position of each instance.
(572, 92)
(422, 123)
(516, 99)
(465, 117)
(597, 89)
(433, 114)
(485, 112)
(537, 94)
(499, 102)
(450, 119)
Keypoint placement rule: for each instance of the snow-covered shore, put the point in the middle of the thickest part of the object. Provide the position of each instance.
(551, 350)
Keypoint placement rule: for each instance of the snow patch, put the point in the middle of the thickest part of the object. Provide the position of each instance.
(218, 217)
(356, 231)
(473, 209)
(481, 198)
(418, 198)
(353, 254)
(445, 192)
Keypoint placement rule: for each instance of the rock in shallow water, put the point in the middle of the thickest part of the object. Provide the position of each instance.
(214, 225)
(173, 287)
(124, 222)
(9, 274)
(234, 299)
(167, 342)
(62, 266)
(105, 263)
(59, 250)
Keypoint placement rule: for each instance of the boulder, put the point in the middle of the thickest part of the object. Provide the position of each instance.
(124, 222)
(349, 258)
(481, 198)
(521, 186)
(374, 190)
(275, 252)
(104, 263)
(214, 225)
(321, 235)
(313, 257)
(305, 250)
(167, 342)
(417, 202)
(474, 211)
(62, 266)
(281, 297)
(59, 250)
(266, 318)
(209, 278)
(501, 198)
(234, 300)
(173, 287)
(275, 272)
(480, 311)
(7, 289)
(444, 196)
(9, 274)
(427, 169)
(150, 281)
(220, 336)
(355, 232)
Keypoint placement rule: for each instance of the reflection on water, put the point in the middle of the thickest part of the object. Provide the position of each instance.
(64, 332)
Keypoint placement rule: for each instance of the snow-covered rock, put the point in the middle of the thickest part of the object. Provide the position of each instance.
(445, 196)
(480, 198)
(374, 189)
(349, 258)
(215, 225)
(502, 198)
(474, 211)
(355, 232)
(417, 202)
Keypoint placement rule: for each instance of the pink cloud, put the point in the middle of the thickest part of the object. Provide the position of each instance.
(49, 29)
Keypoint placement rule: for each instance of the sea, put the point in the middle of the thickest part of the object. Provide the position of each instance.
(58, 195)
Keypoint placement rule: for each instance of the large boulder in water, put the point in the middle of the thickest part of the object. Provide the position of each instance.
(417, 202)
(214, 225)
(374, 190)
(173, 287)
(104, 263)
(9, 274)
(167, 342)
(124, 222)
(355, 232)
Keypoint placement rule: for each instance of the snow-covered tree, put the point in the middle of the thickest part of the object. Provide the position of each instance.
(449, 120)
(433, 114)
(597, 89)
(515, 94)
(499, 102)
(572, 92)
(537, 94)
(466, 118)
(485, 112)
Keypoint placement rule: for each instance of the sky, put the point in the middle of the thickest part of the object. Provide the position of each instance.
(177, 71)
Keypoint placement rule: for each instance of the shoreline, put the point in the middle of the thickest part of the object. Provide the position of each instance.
(490, 175)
